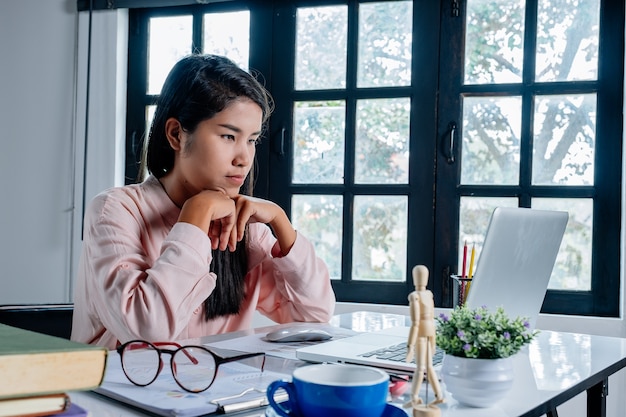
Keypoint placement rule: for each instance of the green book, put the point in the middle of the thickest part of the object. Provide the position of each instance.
(38, 364)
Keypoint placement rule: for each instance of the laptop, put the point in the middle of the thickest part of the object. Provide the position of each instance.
(516, 261)
(513, 271)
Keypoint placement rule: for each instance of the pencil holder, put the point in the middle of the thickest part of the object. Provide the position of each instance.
(460, 289)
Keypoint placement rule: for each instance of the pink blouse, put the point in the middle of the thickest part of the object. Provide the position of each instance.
(142, 275)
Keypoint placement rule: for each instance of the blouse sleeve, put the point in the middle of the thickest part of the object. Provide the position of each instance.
(295, 287)
(143, 285)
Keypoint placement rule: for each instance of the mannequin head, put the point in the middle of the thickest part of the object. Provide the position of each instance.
(420, 276)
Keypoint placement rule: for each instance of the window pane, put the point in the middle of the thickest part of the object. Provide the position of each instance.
(228, 34)
(572, 269)
(385, 42)
(321, 40)
(379, 245)
(564, 141)
(474, 216)
(567, 40)
(382, 141)
(491, 140)
(318, 142)
(494, 44)
(149, 117)
(169, 40)
(318, 217)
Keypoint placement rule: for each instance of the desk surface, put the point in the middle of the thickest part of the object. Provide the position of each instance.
(555, 367)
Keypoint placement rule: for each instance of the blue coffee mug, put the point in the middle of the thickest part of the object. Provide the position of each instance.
(327, 390)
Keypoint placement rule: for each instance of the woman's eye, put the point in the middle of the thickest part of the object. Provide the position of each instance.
(229, 137)
(255, 141)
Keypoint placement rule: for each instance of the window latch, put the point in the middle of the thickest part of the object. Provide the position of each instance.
(451, 139)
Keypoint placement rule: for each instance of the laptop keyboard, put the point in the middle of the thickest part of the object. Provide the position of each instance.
(397, 353)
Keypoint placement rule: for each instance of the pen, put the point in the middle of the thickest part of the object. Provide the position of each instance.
(250, 404)
(463, 270)
(471, 266)
(464, 258)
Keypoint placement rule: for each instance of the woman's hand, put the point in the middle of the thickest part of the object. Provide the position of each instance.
(216, 214)
(256, 210)
(224, 219)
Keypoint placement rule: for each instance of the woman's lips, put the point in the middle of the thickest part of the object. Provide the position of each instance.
(236, 179)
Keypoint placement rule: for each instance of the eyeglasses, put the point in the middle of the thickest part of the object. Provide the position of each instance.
(194, 367)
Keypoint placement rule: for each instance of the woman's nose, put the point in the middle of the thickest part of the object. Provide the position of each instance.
(244, 155)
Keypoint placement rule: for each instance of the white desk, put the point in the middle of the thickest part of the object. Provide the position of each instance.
(553, 369)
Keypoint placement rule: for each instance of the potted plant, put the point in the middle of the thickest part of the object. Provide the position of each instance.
(479, 344)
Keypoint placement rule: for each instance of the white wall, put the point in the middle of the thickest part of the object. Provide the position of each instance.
(43, 45)
(42, 114)
(37, 89)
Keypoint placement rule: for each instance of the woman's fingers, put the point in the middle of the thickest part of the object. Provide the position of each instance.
(227, 225)
(227, 230)
(214, 234)
(223, 234)
(244, 212)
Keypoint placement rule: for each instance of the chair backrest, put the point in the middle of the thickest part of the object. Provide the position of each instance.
(51, 319)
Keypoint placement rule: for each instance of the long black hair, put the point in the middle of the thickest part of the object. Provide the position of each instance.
(196, 89)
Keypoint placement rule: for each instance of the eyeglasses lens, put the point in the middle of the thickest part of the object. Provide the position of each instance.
(141, 363)
(194, 368)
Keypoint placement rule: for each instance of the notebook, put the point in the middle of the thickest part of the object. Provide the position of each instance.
(513, 271)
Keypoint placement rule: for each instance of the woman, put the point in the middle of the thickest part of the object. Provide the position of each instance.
(188, 252)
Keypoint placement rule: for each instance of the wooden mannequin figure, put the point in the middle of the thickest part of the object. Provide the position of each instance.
(421, 343)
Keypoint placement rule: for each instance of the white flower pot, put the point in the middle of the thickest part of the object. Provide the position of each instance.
(477, 382)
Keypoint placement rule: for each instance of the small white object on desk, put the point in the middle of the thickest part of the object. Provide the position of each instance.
(298, 333)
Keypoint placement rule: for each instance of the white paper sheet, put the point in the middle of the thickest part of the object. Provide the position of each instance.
(258, 343)
(164, 397)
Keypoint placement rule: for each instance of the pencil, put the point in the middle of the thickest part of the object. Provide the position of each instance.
(471, 266)
(471, 271)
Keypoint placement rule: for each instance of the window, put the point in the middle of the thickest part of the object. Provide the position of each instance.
(399, 125)
(535, 103)
(353, 170)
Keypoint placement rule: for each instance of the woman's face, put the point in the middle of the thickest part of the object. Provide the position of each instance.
(219, 154)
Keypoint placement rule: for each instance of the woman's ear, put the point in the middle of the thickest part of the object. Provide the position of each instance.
(173, 131)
